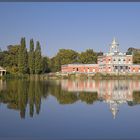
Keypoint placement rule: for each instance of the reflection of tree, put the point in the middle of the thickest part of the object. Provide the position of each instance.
(38, 92)
(19, 93)
(10, 96)
(31, 98)
(89, 98)
(66, 97)
(136, 97)
(63, 97)
(22, 97)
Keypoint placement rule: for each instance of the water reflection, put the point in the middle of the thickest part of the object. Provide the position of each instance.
(112, 92)
(21, 95)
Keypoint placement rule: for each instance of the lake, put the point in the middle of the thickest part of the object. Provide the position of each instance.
(70, 109)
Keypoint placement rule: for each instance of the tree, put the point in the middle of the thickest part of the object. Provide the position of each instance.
(22, 57)
(136, 57)
(136, 54)
(88, 57)
(45, 64)
(8, 58)
(64, 56)
(31, 57)
(38, 58)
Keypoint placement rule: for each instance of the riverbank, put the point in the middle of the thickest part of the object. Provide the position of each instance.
(97, 76)
(59, 76)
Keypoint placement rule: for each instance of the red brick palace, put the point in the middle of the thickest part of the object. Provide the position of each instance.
(112, 62)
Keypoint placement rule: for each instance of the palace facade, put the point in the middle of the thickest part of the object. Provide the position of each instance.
(112, 62)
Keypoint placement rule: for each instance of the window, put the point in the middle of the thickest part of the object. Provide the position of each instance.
(73, 69)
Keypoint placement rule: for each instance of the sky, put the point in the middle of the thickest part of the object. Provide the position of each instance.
(78, 26)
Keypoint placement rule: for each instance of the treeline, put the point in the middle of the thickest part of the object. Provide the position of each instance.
(17, 60)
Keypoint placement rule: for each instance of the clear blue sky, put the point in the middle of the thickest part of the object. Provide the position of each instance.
(75, 26)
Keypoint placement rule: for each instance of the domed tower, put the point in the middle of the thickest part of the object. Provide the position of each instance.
(114, 46)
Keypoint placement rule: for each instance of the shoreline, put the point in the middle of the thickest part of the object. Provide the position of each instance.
(97, 76)
(72, 76)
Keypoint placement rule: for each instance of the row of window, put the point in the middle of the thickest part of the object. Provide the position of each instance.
(77, 69)
(115, 60)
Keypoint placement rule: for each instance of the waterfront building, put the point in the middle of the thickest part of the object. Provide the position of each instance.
(112, 62)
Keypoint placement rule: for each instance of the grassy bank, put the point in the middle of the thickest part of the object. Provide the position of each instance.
(97, 76)
(55, 76)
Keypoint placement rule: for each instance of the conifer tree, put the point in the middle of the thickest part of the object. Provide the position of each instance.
(22, 57)
(31, 58)
(38, 59)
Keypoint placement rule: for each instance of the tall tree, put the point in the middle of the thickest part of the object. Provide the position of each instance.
(22, 57)
(31, 58)
(38, 58)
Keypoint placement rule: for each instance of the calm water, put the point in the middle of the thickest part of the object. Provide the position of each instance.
(70, 109)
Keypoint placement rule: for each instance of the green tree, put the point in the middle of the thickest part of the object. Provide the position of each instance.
(136, 57)
(88, 57)
(64, 56)
(45, 64)
(22, 57)
(136, 54)
(8, 58)
(38, 59)
(31, 57)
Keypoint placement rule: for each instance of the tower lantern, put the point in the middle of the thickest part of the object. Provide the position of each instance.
(114, 47)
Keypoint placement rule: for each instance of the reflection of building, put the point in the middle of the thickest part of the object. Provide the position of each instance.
(2, 71)
(113, 92)
(112, 62)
